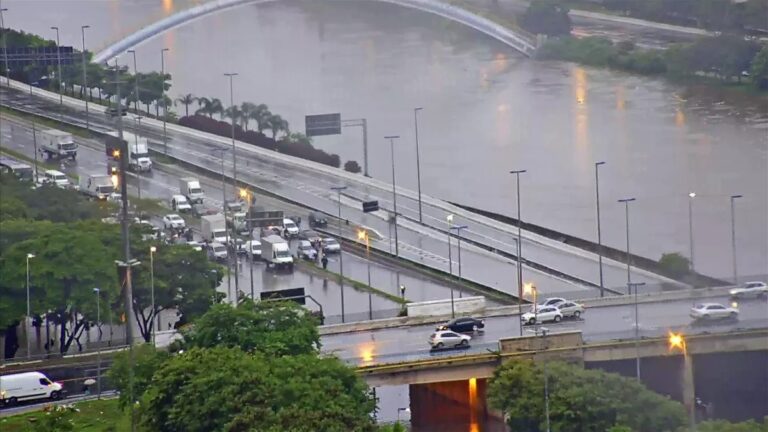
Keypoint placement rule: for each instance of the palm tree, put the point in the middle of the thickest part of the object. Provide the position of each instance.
(246, 110)
(186, 100)
(205, 107)
(260, 115)
(276, 124)
(217, 108)
(234, 114)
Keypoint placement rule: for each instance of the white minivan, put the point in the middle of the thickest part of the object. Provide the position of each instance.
(27, 386)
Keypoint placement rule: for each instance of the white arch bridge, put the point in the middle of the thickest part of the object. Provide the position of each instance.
(521, 42)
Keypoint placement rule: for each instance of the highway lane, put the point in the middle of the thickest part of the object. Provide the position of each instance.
(313, 189)
(161, 184)
(598, 324)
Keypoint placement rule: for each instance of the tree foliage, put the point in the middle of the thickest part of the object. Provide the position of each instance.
(580, 399)
(146, 360)
(674, 265)
(272, 328)
(227, 389)
(759, 69)
(726, 426)
(352, 166)
(549, 17)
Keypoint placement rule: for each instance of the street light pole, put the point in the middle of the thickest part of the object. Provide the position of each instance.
(85, 80)
(626, 202)
(98, 345)
(449, 219)
(363, 235)
(29, 313)
(136, 81)
(458, 229)
(234, 180)
(691, 196)
(677, 340)
(391, 139)
(58, 57)
(165, 105)
(152, 250)
(599, 233)
(338, 190)
(519, 250)
(221, 151)
(733, 235)
(418, 164)
(630, 287)
(34, 135)
(136, 140)
(5, 48)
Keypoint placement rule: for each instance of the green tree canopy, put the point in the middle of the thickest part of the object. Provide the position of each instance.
(549, 17)
(580, 399)
(227, 389)
(674, 264)
(271, 328)
(146, 360)
(759, 69)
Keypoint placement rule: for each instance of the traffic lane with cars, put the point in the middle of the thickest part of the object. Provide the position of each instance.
(302, 185)
(596, 324)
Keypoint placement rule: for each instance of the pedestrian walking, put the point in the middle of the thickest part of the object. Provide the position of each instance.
(325, 262)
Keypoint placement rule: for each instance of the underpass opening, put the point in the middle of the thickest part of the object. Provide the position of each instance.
(453, 406)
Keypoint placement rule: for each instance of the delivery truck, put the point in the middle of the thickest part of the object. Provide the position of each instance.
(56, 144)
(214, 228)
(276, 253)
(190, 188)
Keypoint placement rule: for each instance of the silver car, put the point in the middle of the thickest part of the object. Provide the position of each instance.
(706, 311)
(571, 309)
(750, 289)
(447, 339)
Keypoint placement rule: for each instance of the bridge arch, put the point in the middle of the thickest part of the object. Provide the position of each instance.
(518, 41)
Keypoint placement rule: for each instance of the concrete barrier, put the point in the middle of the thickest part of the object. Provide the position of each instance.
(465, 305)
(535, 343)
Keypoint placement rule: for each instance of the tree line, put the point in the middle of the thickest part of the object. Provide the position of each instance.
(75, 252)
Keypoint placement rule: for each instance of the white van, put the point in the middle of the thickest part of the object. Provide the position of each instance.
(27, 386)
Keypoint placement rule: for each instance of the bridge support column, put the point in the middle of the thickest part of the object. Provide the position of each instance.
(453, 402)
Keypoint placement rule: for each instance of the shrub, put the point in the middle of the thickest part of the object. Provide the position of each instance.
(352, 166)
(674, 265)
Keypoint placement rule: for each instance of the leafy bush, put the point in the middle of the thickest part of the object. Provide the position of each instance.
(352, 166)
(674, 265)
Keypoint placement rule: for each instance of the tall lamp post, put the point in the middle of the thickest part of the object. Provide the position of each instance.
(519, 250)
(599, 233)
(98, 345)
(733, 235)
(630, 287)
(231, 77)
(449, 219)
(29, 313)
(363, 236)
(165, 104)
(136, 140)
(338, 190)
(418, 164)
(85, 80)
(391, 139)
(458, 229)
(677, 341)
(626, 202)
(691, 196)
(5, 48)
(248, 196)
(530, 289)
(58, 58)
(152, 250)
(135, 81)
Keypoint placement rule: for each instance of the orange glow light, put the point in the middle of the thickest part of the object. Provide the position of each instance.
(676, 340)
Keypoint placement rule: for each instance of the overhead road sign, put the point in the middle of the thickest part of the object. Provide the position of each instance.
(322, 124)
(370, 206)
(43, 56)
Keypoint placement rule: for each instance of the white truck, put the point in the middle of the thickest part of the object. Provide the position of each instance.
(57, 144)
(276, 253)
(137, 147)
(214, 228)
(190, 188)
(26, 386)
(98, 186)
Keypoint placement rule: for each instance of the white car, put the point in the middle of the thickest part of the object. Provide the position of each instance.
(544, 314)
(253, 248)
(56, 178)
(447, 338)
(195, 245)
(306, 251)
(713, 311)
(571, 309)
(750, 289)
(552, 301)
(179, 203)
(217, 251)
(173, 221)
(330, 245)
(290, 227)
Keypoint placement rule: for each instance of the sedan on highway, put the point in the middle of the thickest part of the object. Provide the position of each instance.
(448, 339)
(552, 301)
(173, 221)
(750, 289)
(180, 203)
(305, 250)
(462, 325)
(544, 314)
(571, 309)
(330, 245)
(707, 311)
(310, 235)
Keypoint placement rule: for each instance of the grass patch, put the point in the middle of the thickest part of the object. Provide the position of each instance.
(45, 123)
(94, 416)
(353, 283)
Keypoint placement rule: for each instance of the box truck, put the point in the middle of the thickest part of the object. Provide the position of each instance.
(214, 228)
(57, 144)
(276, 253)
(190, 188)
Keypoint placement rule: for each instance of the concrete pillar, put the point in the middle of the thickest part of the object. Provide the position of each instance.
(453, 402)
(689, 391)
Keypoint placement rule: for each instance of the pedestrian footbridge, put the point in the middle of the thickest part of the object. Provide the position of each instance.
(513, 38)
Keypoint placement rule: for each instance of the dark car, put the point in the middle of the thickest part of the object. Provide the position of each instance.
(317, 220)
(463, 325)
(310, 235)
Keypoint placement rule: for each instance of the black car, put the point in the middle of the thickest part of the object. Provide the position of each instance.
(310, 235)
(317, 220)
(463, 325)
